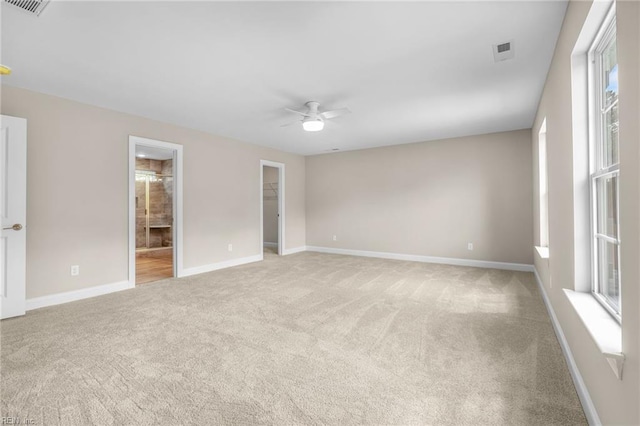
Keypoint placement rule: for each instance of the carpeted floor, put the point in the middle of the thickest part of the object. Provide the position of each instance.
(304, 339)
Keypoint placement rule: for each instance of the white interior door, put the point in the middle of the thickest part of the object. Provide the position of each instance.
(13, 215)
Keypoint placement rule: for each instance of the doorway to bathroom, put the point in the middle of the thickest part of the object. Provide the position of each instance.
(272, 207)
(154, 210)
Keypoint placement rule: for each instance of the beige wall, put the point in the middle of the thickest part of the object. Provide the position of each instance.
(616, 401)
(427, 199)
(270, 205)
(77, 188)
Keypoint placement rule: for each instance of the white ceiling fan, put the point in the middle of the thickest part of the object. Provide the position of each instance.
(313, 120)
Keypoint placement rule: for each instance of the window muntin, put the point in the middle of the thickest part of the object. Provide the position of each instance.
(605, 168)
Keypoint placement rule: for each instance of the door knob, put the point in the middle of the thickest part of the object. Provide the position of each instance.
(15, 227)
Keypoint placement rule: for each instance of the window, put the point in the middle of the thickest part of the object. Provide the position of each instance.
(543, 184)
(605, 167)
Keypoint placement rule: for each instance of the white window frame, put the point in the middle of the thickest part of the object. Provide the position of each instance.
(605, 34)
(543, 183)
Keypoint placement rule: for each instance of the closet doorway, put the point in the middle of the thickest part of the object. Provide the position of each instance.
(154, 210)
(272, 207)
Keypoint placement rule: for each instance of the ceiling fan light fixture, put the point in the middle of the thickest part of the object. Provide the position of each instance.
(312, 119)
(313, 125)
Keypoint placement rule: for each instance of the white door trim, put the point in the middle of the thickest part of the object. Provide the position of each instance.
(177, 203)
(281, 204)
(13, 211)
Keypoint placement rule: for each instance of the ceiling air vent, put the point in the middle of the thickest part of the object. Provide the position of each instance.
(503, 51)
(34, 7)
(504, 47)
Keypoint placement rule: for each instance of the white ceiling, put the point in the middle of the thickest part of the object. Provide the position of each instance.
(409, 71)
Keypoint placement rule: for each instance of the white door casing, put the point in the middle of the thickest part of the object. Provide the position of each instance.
(13, 215)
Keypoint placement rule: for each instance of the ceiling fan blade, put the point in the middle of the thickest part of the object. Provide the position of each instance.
(304, 114)
(291, 124)
(335, 113)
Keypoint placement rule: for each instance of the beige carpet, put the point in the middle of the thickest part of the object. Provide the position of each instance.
(305, 339)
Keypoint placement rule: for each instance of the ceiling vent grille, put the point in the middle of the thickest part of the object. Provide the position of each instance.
(35, 7)
(504, 47)
(503, 51)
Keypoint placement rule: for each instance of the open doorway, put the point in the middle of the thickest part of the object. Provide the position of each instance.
(154, 210)
(271, 207)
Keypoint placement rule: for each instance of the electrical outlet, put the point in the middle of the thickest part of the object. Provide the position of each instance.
(75, 270)
(230, 247)
(335, 238)
(470, 246)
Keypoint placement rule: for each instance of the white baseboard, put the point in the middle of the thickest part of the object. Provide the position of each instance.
(269, 244)
(427, 259)
(220, 265)
(294, 250)
(85, 293)
(587, 404)
(72, 296)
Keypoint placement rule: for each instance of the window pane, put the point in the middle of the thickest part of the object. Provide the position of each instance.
(608, 275)
(610, 104)
(610, 73)
(607, 205)
(611, 136)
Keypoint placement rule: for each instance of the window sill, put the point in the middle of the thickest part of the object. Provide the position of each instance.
(543, 252)
(603, 329)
